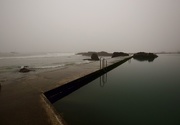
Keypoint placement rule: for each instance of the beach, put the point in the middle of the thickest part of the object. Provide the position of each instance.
(38, 62)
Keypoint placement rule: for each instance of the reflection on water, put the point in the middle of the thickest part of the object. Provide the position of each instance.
(129, 61)
(103, 80)
(0, 87)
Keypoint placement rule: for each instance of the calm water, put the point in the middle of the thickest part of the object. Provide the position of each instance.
(136, 93)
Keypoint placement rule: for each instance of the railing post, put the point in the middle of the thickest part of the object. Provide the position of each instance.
(106, 63)
(103, 78)
(103, 62)
(100, 62)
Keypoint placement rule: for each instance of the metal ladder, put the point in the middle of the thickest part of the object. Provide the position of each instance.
(103, 78)
(103, 63)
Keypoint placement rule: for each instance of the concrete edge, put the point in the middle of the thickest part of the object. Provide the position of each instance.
(54, 116)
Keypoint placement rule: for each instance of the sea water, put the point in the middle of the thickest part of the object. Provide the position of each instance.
(11, 63)
(135, 93)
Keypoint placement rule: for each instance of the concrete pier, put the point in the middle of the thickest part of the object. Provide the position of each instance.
(22, 101)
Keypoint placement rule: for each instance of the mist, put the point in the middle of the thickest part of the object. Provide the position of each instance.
(89, 25)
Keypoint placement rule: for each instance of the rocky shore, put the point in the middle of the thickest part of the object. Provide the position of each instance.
(143, 56)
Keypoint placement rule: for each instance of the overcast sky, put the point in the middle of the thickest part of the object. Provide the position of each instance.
(84, 25)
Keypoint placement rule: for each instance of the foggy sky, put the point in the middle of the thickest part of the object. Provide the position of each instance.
(84, 25)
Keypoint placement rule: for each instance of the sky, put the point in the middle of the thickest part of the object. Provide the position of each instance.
(89, 25)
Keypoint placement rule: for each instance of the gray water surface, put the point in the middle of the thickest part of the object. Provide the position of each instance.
(142, 93)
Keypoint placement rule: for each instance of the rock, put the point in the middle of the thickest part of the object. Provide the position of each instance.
(142, 56)
(94, 57)
(102, 53)
(145, 55)
(25, 69)
(117, 54)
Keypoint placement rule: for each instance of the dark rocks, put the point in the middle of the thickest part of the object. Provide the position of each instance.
(102, 53)
(117, 54)
(142, 56)
(94, 57)
(25, 69)
(145, 55)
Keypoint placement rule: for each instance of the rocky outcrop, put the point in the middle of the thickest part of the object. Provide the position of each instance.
(142, 56)
(117, 54)
(25, 69)
(102, 53)
(94, 57)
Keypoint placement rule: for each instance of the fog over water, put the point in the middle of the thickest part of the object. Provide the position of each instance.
(84, 25)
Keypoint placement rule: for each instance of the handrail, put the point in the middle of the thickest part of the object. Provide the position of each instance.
(103, 63)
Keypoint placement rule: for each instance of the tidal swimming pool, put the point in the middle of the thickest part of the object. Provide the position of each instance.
(142, 93)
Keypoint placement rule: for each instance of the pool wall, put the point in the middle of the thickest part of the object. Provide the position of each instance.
(64, 90)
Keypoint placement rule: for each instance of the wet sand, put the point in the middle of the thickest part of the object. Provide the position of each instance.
(22, 100)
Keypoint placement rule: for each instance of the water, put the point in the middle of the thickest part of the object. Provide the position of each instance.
(142, 93)
(40, 62)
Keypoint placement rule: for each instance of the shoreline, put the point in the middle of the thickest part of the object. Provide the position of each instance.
(21, 101)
